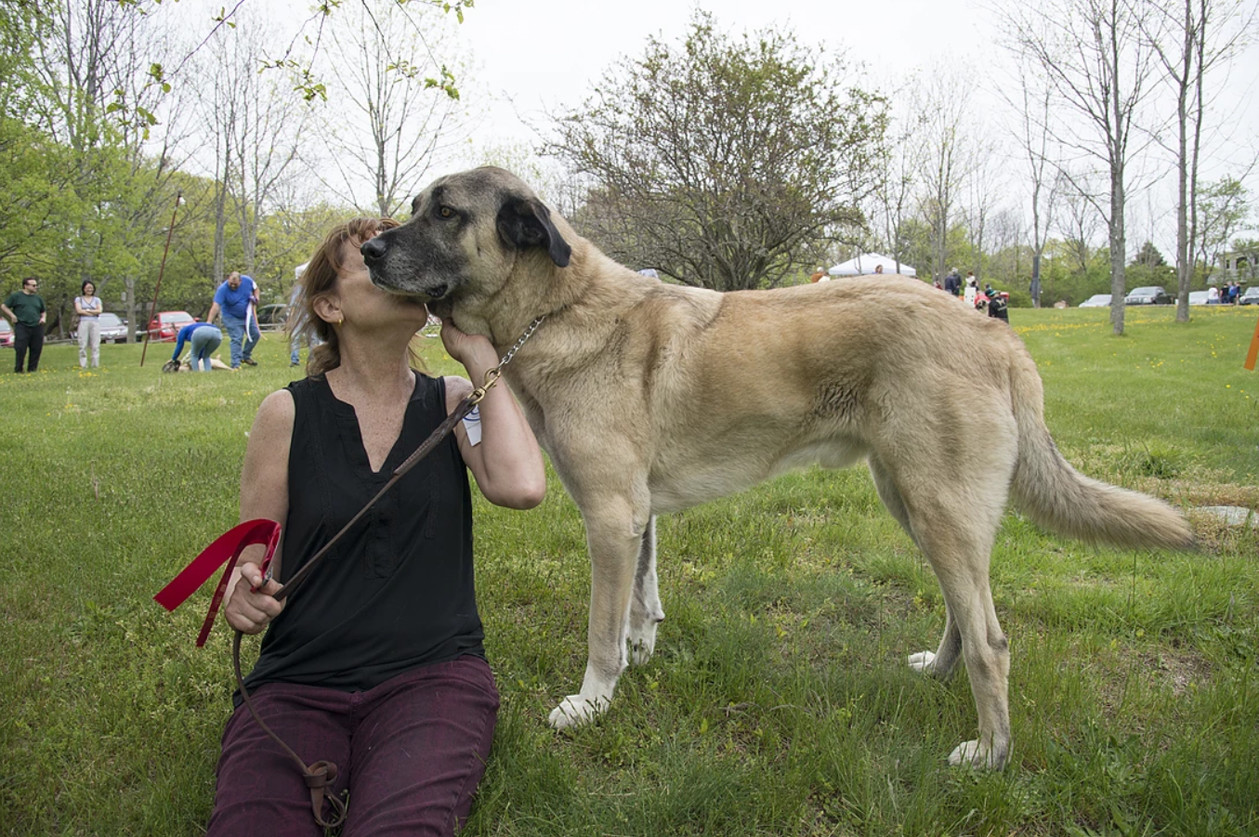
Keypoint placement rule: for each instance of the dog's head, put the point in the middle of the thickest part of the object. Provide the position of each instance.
(466, 233)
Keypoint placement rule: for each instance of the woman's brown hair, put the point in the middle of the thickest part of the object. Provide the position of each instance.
(319, 278)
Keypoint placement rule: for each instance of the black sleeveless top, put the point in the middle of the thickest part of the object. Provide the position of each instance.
(397, 591)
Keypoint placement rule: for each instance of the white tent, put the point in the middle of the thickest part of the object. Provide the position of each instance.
(866, 263)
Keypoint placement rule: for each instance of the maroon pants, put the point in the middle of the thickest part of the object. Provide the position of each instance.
(411, 751)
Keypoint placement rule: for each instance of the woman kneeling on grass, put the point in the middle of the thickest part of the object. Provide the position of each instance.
(377, 662)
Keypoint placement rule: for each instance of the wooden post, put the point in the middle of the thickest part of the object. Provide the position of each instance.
(161, 270)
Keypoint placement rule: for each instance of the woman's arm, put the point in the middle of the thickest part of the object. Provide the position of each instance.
(263, 494)
(180, 339)
(507, 463)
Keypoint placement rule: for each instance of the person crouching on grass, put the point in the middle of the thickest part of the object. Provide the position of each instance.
(377, 663)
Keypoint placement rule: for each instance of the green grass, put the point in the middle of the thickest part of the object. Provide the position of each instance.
(778, 702)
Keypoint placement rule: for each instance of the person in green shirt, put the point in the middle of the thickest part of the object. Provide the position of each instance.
(27, 311)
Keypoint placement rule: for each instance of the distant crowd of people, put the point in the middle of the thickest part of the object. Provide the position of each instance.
(997, 303)
(1225, 294)
(234, 305)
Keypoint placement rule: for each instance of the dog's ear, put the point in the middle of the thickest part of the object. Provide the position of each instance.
(526, 222)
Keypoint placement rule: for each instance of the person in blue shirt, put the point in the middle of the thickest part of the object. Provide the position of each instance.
(235, 300)
(203, 338)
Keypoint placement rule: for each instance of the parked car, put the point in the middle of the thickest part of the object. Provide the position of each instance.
(165, 325)
(1096, 301)
(1199, 297)
(1148, 295)
(1249, 297)
(6, 333)
(273, 317)
(113, 328)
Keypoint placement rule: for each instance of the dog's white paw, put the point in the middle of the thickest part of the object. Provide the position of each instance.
(924, 663)
(976, 755)
(642, 642)
(641, 650)
(575, 711)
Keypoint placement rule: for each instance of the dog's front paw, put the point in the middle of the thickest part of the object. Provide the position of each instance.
(976, 755)
(924, 663)
(575, 711)
(642, 642)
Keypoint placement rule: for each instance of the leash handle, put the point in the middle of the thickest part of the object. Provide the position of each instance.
(225, 550)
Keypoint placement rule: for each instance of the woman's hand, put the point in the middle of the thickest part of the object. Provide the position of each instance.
(245, 610)
(507, 463)
(474, 351)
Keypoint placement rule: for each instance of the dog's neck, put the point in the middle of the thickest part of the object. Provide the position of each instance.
(536, 288)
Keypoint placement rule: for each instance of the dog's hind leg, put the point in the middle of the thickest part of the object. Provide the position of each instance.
(958, 545)
(944, 660)
(645, 613)
(614, 533)
(987, 655)
(954, 504)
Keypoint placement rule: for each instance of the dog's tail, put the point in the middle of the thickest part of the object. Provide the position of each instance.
(1061, 499)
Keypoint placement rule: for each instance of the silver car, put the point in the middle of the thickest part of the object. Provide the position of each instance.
(112, 328)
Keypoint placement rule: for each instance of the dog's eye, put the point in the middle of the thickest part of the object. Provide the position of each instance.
(445, 212)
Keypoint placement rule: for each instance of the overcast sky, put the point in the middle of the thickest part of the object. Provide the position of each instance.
(540, 56)
(526, 60)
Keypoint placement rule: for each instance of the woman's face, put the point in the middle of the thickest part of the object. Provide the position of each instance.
(364, 303)
(89, 289)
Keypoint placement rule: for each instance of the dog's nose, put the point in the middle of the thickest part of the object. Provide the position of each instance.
(373, 248)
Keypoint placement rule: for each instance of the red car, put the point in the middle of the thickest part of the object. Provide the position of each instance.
(165, 325)
(6, 333)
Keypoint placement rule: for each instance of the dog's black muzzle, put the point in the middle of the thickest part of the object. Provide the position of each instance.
(377, 258)
(373, 250)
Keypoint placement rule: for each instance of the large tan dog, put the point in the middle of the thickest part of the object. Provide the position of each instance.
(652, 398)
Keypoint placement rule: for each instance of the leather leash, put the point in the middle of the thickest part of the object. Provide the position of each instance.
(319, 775)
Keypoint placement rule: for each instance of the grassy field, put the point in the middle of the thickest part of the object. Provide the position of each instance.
(778, 702)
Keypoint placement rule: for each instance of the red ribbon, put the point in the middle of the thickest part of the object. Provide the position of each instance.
(225, 549)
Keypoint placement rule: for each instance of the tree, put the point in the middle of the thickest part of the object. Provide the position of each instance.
(1032, 107)
(723, 163)
(1099, 67)
(1223, 209)
(947, 157)
(256, 128)
(265, 148)
(1079, 219)
(1190, 37)
(397, 122)
(297, 65)
(1149, 267)
(1149, 256)
(893, 199)
(85, 94)
(981, 191)
(1008, 252)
